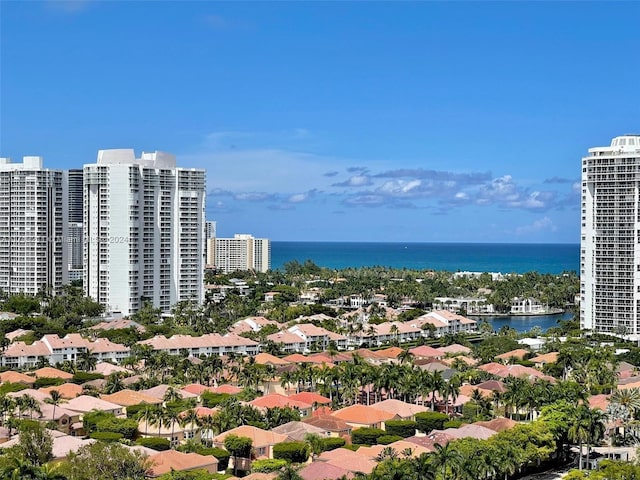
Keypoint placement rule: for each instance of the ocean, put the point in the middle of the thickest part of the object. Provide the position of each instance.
(452, 257)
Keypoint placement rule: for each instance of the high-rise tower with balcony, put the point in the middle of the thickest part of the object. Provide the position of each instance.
(32, 227)
(610, 238)
(143, 230)
(74, 181)
(242, 252)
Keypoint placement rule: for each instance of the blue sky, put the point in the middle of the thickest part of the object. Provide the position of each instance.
(399, 121)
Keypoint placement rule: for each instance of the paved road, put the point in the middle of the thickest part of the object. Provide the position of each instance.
(555, 474)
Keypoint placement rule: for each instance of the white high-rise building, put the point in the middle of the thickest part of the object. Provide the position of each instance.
(143, 231)
(242, 252)
(610, 238)
(32, 227)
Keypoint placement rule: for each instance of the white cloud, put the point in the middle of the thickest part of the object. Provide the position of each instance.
(541, 225)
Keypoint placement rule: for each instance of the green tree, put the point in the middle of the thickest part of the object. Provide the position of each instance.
(238, 447)
(105, 461)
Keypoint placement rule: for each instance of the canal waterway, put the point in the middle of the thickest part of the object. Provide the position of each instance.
(524, 323)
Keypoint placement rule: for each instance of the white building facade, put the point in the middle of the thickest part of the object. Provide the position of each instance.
(610, 236)
(240, 253)
(32, 227)
(143, 228)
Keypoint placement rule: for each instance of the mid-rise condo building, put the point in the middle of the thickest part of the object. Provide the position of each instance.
(143, 230)
(242, 252)
(610, 238)
(32, 227)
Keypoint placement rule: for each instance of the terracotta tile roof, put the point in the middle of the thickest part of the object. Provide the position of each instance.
(285, 337)
(297, 358)
(257, 476)
(127, 398)
(349, 460)
(599, 401)
(104, 345)
(363, 414)
(196, 388)
(324, 471)
(455, 348)
(37, 394)
(121, 323)
(17, 334)
(107, 369)
(16, 377)
(264, 358)
(399, 446)
(518, 353)
(21, 349)
(426, 351)
(478, 432)
(50, 372)
(493, 385)
(165, 462)
(551, 357)
(424, 442)
(160, 342)
(468, 360)
(260, 438)
(329, 423)
(310, 398)
(276, 400)
(66, 390)
(498, 424)
(298, 430)
(400, 408)
(391, 352)
(491, 367)
(205, 411)
(86, 403)
(159, 391)
(227, 388)
(521, 371)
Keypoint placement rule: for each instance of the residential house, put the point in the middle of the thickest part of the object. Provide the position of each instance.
(209, 344)
(55, 350)
(358, 416)
(404, 410)
(443, 322)
(335, 426)
(172, 460)
(273, 400)
(262, 440)
(299, 430)
(527, 306)
(470, 305)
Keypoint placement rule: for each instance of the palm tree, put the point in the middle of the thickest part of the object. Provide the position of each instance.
(19, 468)
(114, 383)
(445, 457)
(55, 400)
(422, 467)
(190, 418)
(405, 356)
(437, 383)
(595, 426)
(387, 453)
(85, 361)
(579, 430)
(148, 416)
(171, 417)
(172, 395)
